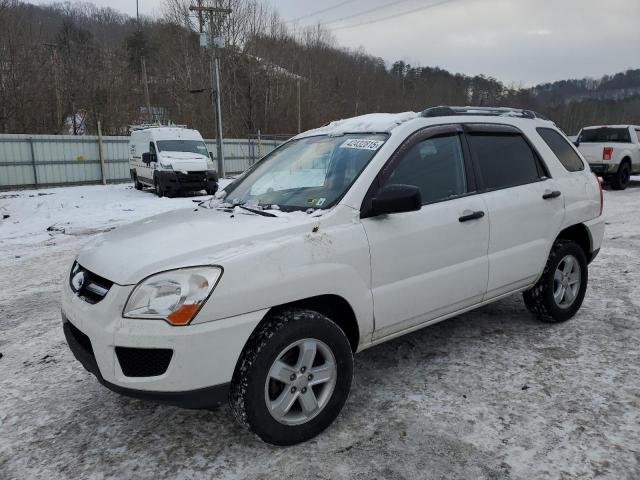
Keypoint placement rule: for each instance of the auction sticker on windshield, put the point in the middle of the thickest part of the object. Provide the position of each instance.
(362, 144)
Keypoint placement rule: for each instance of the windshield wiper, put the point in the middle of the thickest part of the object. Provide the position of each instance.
(258, 212)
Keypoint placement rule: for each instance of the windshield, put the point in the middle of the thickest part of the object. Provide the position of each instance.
(312, 172)
(191, 146)
(603, 135)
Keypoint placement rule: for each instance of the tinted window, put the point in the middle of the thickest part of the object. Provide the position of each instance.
(435, 166)
(563, 150)
(605, 134)
(504, 160)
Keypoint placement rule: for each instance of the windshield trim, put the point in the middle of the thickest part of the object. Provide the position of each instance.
(233, 185)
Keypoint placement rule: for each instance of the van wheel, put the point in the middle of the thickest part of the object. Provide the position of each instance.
(560, 291)
(136, 182)
(621, 179)
(158, 189)
(293, 377)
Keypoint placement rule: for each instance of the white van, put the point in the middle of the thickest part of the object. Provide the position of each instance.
(171, 160)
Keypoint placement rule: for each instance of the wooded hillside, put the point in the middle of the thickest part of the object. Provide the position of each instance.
(66, 67)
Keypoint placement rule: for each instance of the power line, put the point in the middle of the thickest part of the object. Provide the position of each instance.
(382, 7)
(318, 12)
(389, 17)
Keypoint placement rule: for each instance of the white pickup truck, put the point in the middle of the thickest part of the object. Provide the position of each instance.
(613, 152)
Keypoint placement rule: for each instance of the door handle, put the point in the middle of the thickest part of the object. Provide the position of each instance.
(471, 216)
(549, 195)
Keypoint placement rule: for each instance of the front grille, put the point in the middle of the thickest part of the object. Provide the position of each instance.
(192, 177)
(81, 338)
(143, 362)
(87, 285)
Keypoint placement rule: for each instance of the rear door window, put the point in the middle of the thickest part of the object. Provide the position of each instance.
(563, 150)
(504, 160)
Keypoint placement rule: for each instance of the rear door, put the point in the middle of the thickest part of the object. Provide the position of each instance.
(525, 207)
(431, 262)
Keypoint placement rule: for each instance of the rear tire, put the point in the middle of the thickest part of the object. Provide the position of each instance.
(621, 179)
(558, 294)
(136, 182)
(301, 405)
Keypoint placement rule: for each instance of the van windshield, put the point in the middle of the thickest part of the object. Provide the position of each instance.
(312, 172)
(604, 134)
(191, 146)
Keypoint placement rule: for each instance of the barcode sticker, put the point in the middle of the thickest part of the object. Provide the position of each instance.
(362, 144)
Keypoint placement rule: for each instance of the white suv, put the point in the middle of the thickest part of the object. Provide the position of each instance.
(342, 238)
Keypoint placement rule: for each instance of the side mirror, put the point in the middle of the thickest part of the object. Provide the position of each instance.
(396, 198)
(576, 143)
(148, 157)
(211, 156)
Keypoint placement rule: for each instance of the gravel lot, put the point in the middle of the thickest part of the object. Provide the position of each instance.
(489, 394)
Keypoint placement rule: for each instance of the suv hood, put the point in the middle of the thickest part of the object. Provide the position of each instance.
(184, 161)
(183, 238)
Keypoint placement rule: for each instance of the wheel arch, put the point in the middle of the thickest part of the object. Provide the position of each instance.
(332, 306)
(579, 233)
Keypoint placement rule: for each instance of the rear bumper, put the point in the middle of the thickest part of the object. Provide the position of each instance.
(603, 168)
(208, 397)
(596, 232)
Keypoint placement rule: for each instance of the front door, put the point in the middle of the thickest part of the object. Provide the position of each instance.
(431, 262)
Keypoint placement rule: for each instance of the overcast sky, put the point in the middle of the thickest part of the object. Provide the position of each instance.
(517, 41)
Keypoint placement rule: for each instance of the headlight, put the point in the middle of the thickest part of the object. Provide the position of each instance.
(166, 166)
(175, 296)
(210, 165)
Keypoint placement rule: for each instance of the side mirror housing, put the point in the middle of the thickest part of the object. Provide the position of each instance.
(396, 198)
(148, 157)
(211, 156)
(576, 143)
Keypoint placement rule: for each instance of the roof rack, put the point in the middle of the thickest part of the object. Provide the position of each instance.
(444, 111)
(144, 126)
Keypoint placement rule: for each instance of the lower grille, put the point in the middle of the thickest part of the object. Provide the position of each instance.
(143, 362)
(192, 177)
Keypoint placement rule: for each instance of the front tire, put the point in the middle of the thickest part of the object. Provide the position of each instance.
(560, 290)
(621, 179)
(293, 377)
(158, 188)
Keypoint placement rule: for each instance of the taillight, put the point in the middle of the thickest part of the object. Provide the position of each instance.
(607, 152)
(601, 194)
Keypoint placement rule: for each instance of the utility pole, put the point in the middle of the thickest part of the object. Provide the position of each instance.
(143, 64)
(146, 90)
(214, 42)
(56, 82)
(299, 112)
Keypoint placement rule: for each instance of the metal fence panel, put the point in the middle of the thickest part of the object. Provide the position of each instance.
(50, 160)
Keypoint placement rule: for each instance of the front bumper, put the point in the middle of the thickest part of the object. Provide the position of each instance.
(203, 356)
(170, 180)
(208, 397)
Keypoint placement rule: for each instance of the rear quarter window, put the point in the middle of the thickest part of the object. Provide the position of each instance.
(568, 157)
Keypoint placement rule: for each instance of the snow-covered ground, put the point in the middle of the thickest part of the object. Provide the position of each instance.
(490, 394)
